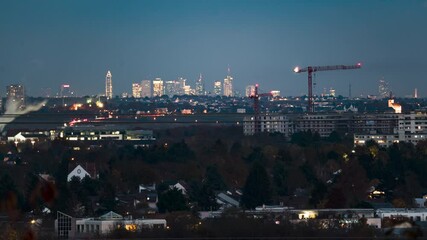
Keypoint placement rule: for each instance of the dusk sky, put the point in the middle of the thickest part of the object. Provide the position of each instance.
(44, 44)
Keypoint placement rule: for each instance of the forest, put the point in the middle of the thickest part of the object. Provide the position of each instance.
(305, 171)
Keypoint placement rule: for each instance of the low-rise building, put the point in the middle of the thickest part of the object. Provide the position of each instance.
(85, 227)
(78, 172)
(413, 214)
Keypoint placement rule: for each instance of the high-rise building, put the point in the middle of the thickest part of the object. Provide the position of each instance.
(158, 89)
(217, 88)
(228, 85)
(332, 92)
(16, 93)
(146, 88)
(383, 89)
(172, 88)
(66, 91)
(250, 90)
(181, 86)
(136, 90)
(200, 87)
(109, 85)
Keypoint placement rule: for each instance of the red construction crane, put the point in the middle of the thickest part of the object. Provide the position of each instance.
(312, 69)
(255, 96)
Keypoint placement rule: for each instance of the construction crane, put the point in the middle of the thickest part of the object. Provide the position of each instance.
(255, 96)
(310, 70)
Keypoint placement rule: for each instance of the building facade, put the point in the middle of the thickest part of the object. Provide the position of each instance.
(383, 89)
(69, 227)
(383, 128)
(136, 90)
(146, 88)
(410, 127)
(228, 86)
(250, 90)
(200, 87)
(158, 88)
(15, 94)
(109, 85)
(217, 88)
(267, 123)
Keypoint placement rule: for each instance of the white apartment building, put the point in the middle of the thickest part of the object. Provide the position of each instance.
(411, 127)
(267, 123)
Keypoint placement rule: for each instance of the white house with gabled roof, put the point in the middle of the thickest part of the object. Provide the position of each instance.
(79, 172)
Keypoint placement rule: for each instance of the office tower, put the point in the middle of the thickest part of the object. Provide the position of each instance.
(109, 85)
(171, 88)
(228, 85)
(146, 88)
(200, 87)
(136, 90)
(158, 89)
(332, 92)
(217, 87)
(181, 86)
(16, 93)
(65, 91)
(383, 89)
(250, 90)
(187, 90)
(415, 93)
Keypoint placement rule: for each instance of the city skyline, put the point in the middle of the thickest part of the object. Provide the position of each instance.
(76, 42)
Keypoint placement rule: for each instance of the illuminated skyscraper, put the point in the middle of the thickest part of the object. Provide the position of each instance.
(16, 93)
(158, 89)
(217, 87)
(136, 90)
(250, 90)
(109, 85)
(172, 88)
(228, 85)
(182, 86)
(383, 90)
(332, 92)
(200, 87)
(145, 88)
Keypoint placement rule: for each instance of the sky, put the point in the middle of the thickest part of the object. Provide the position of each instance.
(46, 43)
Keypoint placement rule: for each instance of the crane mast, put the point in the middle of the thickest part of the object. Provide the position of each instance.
(311, 69)
(255, 96)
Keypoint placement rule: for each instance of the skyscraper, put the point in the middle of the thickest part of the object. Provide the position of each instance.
(65, 91)
(158, 89)
(228, 85)
(146, 88)
(217, 87)
(171, 88)
(182, 86)
(15, 93)
(200, 87)
(136, 90)
(109, 85)
(383, 90)
(250, 90)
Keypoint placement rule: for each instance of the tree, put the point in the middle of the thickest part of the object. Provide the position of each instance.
(257, 187)
(336, 199)
(334, 137)
(172, 200)
(280, 178)
(10, 199)
(213, 179)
